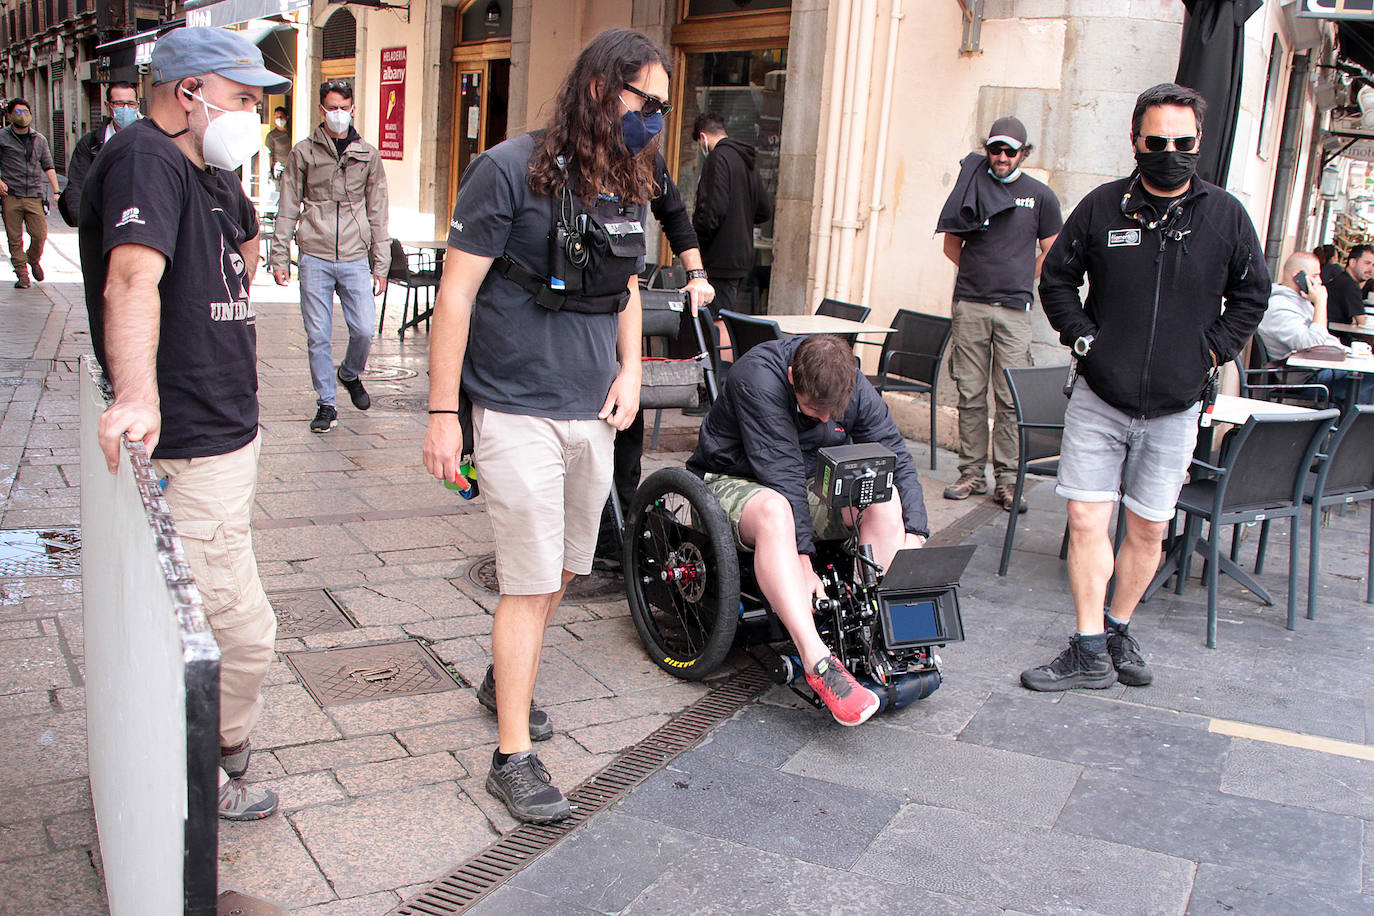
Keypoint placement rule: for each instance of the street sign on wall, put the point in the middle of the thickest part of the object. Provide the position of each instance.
(391, 131)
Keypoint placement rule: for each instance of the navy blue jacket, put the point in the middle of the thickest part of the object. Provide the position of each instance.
(755, 430)
(1156, 284)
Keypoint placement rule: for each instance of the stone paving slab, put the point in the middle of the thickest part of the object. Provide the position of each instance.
(1010, 865)
(1300, 778)
(706, 793)
(1263, 836)
(1220, 891)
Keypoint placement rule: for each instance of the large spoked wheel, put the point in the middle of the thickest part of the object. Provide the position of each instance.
(681, 573)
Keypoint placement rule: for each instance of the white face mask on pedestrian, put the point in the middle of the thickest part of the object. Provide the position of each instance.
(232, 138)
(338, 120)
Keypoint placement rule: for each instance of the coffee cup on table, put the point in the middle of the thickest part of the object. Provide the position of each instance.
(1360, 348)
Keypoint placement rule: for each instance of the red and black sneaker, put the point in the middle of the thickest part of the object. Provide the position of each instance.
(848, 701)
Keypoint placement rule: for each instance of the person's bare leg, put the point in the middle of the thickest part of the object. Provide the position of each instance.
(1090, 562)
(1136, 563)
(517, 634)
(767, 525)
(882, 528)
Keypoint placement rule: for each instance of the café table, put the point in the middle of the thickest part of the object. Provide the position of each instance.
(1357, 368)
(826, 324)
(1359, 330)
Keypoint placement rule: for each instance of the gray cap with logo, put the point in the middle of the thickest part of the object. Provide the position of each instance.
(197, 50)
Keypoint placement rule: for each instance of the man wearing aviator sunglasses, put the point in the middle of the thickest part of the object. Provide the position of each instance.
(1162, 251)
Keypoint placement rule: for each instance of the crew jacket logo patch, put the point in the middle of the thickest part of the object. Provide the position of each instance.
(1119, 237)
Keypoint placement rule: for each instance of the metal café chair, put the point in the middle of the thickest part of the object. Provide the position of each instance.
(1038, 395)
(911, 358)
(418, 272)
(834, 308)
(1259, 477)
(747, 331)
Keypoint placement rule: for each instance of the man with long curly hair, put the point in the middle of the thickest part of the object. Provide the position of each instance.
(539, 297)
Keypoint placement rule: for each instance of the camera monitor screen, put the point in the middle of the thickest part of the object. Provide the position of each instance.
(913, 622)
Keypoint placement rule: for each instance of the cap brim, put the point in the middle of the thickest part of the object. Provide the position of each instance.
(1003, 138)
(257, 76)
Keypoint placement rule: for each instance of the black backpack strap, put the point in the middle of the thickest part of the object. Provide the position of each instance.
(530, 282)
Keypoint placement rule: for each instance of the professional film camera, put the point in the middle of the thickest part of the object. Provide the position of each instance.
(693, 597)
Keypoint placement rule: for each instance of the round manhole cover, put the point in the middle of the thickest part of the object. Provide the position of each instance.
(413, 402)
(597, 584)
(388, 373)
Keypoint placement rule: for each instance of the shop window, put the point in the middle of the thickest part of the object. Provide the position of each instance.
(746, 89)
(717, 7)
(483, 20)
(340, 38)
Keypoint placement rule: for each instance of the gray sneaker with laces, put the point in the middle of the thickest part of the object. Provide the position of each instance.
(239, 801)
(1074, 667)
(1131, 669)
(234, 760)
(541, 729)
(524, 786)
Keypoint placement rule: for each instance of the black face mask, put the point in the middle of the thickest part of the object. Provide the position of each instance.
(1168, 170)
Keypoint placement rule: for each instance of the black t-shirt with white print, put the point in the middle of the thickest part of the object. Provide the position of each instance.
(143, 190)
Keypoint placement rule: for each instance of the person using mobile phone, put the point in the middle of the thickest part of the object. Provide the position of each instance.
(1296, 319)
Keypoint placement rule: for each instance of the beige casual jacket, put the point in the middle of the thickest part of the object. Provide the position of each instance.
(334, 206)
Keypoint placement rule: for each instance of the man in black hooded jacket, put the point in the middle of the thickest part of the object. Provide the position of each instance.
(1162, 251)
(731, 201)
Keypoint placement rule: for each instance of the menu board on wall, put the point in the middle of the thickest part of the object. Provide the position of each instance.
(391, 133)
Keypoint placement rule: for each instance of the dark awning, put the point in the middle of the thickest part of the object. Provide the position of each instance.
(1356, 40)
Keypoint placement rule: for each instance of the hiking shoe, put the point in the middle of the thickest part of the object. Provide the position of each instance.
(234, 760)
(1004, 494)
(21, 283)
(848, 701)
(1126, 658)
(966, 486)
(524, 786)
(541, 729)
(356, 392)
(1075, 667)
(326, 418)
(239, 801)
(36, 269)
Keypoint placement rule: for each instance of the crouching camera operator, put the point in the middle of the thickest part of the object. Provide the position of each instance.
(782, 402)
(538, 299)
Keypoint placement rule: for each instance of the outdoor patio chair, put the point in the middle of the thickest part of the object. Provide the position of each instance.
(418, 272)
(747, 331)
(911, 358)
(834, 308)
(1260, 477)
(1038, 395)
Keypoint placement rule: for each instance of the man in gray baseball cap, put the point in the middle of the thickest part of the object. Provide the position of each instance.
(169, 245)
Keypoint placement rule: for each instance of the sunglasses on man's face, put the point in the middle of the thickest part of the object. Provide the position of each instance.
(1157, 144)
(652, 103)
(1001, 149)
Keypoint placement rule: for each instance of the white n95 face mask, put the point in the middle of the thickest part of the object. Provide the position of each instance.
(230, 139)
(338, 120)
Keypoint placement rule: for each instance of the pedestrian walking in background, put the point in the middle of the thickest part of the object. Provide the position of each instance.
(334, 204)
(731, 200)
(26, 176)
(121, 103)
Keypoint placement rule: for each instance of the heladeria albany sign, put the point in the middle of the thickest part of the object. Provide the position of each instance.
(391, 133)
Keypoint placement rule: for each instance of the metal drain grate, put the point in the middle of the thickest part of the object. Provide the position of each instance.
(963, 527)
(492, 867)
(303, 611)
(380, 373)
(596, 584)
(28, 552)
(336, 677)
(413, 402)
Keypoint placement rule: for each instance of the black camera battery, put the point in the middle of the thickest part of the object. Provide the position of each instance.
(854, 475)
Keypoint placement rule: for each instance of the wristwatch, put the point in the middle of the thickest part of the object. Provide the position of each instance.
(696, 274)
(1082, 345)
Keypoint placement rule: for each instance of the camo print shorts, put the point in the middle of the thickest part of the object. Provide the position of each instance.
(734, 492)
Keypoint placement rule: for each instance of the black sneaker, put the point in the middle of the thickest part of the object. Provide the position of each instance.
(541, 729)
(1075, 667)
(526, 789)
(356, 392)
(326, 418)
(1129, 663)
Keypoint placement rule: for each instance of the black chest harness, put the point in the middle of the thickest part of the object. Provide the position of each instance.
(592, 255)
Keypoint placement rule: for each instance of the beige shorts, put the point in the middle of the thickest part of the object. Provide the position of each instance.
(734, 492)
(545, 483)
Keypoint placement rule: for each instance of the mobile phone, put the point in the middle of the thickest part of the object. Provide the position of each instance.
(1300, 278)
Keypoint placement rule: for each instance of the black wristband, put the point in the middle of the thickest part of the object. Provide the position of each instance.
(454, 412)
(696, 274)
